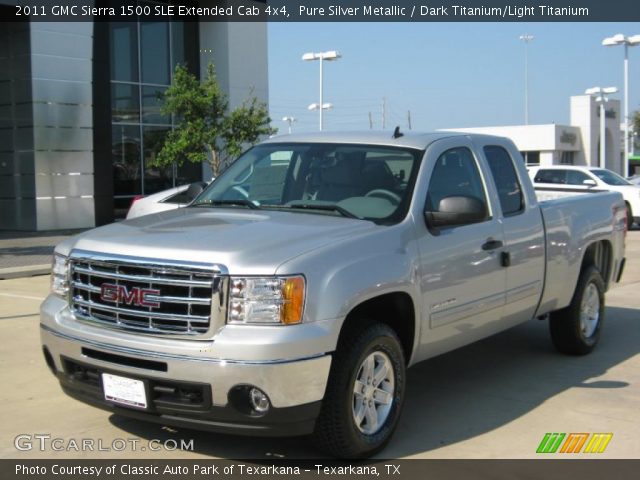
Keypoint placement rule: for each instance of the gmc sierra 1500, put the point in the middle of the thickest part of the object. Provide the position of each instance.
(291, 296)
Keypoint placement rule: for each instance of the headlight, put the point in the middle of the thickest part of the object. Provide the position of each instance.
(60, 275)
(266, 300)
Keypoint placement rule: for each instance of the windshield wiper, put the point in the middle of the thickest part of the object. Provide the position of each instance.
(322, 206)
(241, 202)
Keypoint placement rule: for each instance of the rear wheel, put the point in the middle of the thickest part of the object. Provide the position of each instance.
(365, 392)
(576, 329)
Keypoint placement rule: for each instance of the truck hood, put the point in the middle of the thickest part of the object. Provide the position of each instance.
(245, 242)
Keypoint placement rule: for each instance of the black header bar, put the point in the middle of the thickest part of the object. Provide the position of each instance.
(325, 10)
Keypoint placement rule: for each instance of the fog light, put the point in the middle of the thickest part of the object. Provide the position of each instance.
(259, 400)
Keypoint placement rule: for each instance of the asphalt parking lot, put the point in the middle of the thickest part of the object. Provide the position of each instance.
(493, 399)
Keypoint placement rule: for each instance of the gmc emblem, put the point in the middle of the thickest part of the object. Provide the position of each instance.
(135, 296)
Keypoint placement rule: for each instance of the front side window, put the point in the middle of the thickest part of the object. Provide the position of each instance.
(455, 174)
(609, 177)
(361, 181)
(505, 178)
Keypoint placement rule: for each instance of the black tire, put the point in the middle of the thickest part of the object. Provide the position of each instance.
(629, 216)
(568, 333)
(336, 432)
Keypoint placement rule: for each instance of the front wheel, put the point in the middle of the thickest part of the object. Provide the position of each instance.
(365, 392)
(576, 329)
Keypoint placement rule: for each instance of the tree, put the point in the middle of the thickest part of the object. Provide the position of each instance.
(205, 128)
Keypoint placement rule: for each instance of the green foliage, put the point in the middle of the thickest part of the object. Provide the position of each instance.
(205, 128)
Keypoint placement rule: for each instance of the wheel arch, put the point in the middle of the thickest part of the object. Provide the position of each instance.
(600, 255)
(395, 309)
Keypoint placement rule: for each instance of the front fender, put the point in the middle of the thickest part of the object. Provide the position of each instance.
(341, 277)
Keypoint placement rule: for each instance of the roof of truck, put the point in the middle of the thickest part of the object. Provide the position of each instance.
(408, 139)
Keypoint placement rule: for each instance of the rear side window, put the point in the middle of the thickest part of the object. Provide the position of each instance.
(576, 177)
(505, 178)
(551, 176)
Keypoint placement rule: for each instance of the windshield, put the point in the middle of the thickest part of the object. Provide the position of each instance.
(609, 177)
(368, 182)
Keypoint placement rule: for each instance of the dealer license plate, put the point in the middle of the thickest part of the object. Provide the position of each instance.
(125, 391)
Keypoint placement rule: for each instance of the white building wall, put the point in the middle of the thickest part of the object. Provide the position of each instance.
(549, 158)
(582, 137)
(585, 115)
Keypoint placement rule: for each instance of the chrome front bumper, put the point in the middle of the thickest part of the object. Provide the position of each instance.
(289, 381)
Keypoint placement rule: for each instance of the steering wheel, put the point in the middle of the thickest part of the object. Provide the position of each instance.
(394, 198)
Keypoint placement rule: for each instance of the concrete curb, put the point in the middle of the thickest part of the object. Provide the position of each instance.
(28, 271)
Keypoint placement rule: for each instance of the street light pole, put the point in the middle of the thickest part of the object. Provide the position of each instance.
(603, 135)
(631, 41)
(321, 92)
(289, 120)
(602, 99)
(626, 107)
(526, 38)
(329, 56)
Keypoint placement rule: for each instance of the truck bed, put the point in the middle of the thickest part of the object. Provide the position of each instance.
(571, 223)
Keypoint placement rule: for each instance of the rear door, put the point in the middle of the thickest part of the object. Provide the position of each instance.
(523, 231)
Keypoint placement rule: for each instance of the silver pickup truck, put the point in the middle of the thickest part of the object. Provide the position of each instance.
(292, 295)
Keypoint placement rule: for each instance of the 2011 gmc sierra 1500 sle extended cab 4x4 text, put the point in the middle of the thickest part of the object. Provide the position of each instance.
(291, 296)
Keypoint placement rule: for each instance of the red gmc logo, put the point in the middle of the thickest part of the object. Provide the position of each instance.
(135, 296)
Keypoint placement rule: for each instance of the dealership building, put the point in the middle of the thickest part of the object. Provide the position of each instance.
(80, 117)
(575, 144)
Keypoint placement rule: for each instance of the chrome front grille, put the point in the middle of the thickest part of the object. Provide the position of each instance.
(146, 295)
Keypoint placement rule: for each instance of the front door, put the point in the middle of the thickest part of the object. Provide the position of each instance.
(462, 280)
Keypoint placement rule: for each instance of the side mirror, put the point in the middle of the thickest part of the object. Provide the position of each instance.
(194, 190)
(457, 210)
(589, 182)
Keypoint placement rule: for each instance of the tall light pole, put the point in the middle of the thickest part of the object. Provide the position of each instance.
(526, 38)
(321, 56)
(602, 99)
(289, 120)
(632, 41)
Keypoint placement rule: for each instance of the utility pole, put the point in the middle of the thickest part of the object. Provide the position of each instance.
(370, 121)
(409, 118)
(384, 113)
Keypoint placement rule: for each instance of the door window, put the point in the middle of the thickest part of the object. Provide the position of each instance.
(576, 177)
(557, 176)
(455, 174)
(506, 179)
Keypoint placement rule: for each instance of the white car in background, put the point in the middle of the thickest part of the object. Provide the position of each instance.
(562, 180)
(165, 200)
